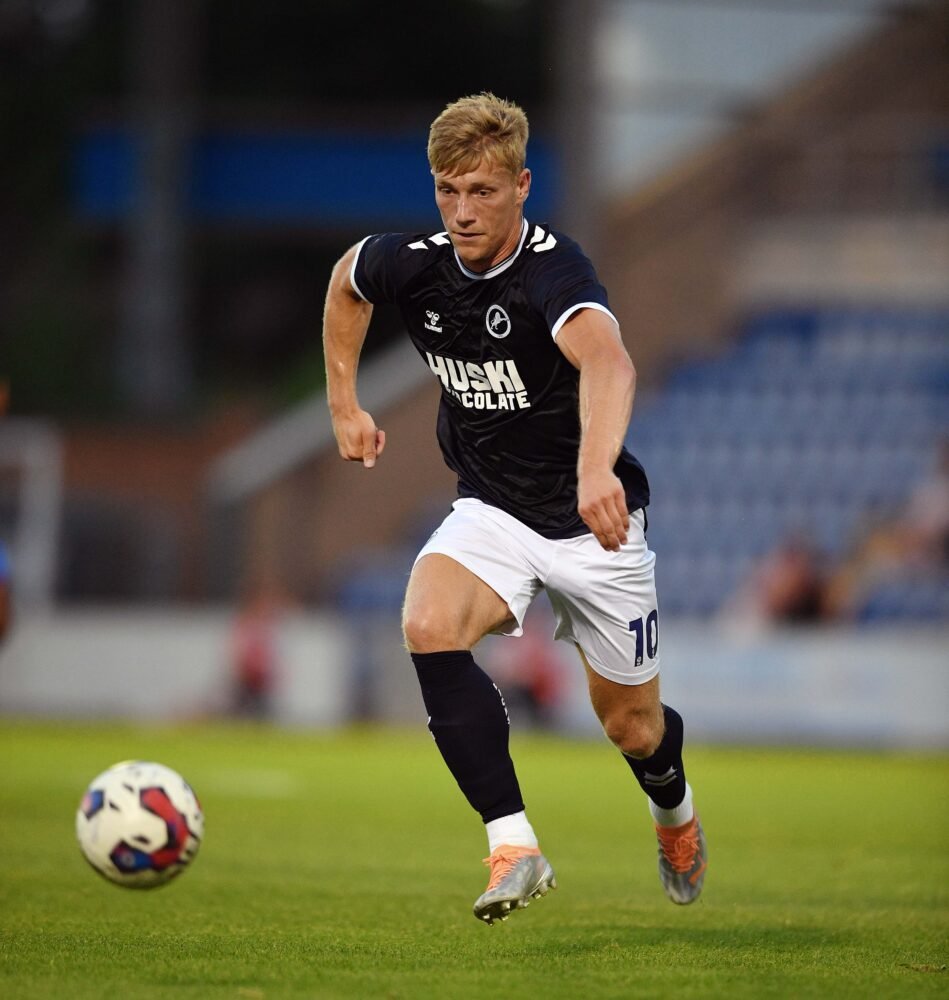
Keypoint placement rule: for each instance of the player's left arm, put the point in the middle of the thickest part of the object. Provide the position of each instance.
(591, 342)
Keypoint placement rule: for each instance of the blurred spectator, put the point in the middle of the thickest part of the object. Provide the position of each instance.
(788, 586)
(255, 650)
(6, 598)
(528, 671)
(6, 575)
(902, 561)
(924, 523)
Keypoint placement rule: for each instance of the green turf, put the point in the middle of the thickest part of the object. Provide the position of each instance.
(345, 865)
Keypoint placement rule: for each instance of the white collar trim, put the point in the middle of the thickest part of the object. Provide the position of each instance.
(498, 268)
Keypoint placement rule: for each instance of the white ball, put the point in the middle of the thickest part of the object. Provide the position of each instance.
(139, 824)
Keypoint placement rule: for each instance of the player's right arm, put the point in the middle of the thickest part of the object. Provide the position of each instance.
(346, 318)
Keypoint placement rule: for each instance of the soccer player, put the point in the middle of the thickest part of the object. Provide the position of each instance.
(536, 394)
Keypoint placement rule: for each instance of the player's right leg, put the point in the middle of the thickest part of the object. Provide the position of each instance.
(448, 608)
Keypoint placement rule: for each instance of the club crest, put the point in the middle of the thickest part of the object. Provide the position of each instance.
(497, 322)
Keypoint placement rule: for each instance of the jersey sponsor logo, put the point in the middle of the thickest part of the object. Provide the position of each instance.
(493, 385)
(431, 322)
(497, 322)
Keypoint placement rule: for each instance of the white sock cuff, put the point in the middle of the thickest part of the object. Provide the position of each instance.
(513, 829)
(682, 813)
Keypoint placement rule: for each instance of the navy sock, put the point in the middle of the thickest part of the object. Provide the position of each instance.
(468, 719)
(662, 776)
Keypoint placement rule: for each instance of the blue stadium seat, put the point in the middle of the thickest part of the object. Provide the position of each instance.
(819, 420)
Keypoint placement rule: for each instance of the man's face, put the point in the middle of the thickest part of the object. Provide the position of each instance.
(481, 211)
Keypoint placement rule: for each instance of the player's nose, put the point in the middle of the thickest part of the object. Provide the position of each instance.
(464, 214)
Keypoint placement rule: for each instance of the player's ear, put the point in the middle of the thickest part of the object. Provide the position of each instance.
(523, 185)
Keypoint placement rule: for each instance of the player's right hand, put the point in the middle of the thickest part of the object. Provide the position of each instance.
(358, 438)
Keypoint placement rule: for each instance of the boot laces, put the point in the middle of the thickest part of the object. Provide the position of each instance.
(502, 862)
(679, 846)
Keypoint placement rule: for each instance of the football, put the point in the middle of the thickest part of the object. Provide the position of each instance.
(139, 824)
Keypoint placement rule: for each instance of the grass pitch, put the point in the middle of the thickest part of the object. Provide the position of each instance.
(345, 865)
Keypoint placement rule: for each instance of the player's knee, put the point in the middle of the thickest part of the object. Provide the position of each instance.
(636, 734)
(427, 632)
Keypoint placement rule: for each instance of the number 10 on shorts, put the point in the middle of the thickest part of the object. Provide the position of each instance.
(646, 635)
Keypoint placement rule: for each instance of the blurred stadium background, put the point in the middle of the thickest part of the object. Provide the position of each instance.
(764, 187)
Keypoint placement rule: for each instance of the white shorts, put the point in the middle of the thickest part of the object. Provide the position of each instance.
(605, 602)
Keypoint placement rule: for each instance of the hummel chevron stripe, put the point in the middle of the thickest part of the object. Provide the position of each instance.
(439, 239)
(660, 780)
(538, 243)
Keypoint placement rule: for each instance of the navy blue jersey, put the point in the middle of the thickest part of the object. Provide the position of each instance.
(508, 422)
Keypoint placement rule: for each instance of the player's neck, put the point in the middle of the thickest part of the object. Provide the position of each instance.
(507, 250)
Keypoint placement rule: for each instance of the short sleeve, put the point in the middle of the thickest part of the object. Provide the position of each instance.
(375, 273)
(564, 282)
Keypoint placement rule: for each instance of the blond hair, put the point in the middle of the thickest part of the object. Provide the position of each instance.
(474, 128)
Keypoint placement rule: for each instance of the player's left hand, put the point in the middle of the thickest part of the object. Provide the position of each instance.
(601, 502)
